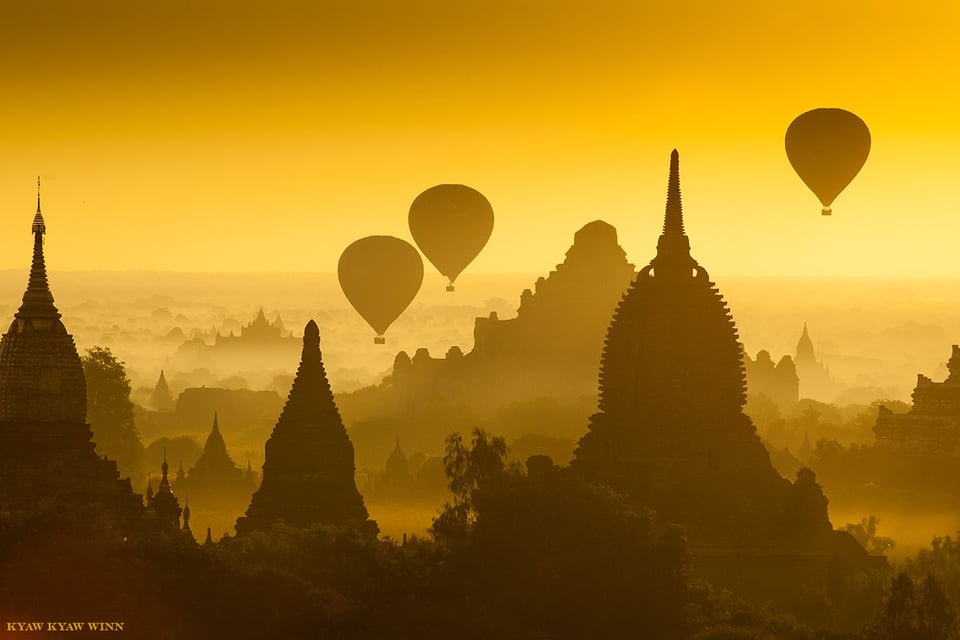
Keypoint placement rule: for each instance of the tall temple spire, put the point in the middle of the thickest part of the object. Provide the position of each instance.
(805, 351)
(673, 220)
(165, 503)
(38, 299)
(38, 216)
(673, 247)
(164, 470)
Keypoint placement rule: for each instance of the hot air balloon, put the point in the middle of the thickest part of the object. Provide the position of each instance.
(827, 148)
(380, 275)
(451, 223)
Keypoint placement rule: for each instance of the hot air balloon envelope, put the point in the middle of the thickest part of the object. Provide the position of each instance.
(827, 148)
(451, 223)
(380, 275)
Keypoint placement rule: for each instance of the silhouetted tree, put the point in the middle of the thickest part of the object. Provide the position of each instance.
(470, 472)
(865, 532)
(916, 612)
(110, 411)
(942, 560)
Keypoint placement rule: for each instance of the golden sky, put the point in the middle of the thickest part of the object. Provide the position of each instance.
(270, 135)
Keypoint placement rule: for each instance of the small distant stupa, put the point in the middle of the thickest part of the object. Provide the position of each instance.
(308, 469)
(160, 398)
(814, 376)
(215, 470)
(397, 470)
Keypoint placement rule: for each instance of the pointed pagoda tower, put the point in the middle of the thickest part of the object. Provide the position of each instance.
(160, 398)
(815, 380)
(397, 469)
(165, 504)
(215, 470)
(46, 448)
(670, 431)
(308, 469)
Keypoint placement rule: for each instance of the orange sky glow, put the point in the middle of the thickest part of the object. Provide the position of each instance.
(248, 136)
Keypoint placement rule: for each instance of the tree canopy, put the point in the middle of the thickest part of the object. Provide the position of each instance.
(110, 411)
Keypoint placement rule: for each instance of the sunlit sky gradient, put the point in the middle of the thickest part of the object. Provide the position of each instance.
(225, 136)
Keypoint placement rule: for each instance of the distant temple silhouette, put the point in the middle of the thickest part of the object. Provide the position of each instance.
(215, 470)
(46, 448)
(815, 380)
(260, 332)
(549, 349)
(779, 382)
(261, 344)
(932, 426)
(671, 433)
(308, 469)
(160, 398)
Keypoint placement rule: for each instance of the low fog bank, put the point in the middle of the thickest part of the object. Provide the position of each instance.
(874, 335)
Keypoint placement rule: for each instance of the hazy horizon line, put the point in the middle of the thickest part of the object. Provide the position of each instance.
(534, 274)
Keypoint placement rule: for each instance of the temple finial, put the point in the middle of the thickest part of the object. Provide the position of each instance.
(38, 226)
(673, 247)
(673, 219)
(37, 299)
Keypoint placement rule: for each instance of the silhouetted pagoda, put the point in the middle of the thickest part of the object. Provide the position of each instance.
(165, 504)
(814, 376)
(160, 398)
(308, 469)
(215, 470)
(46, 448)
(671, 433)
(396, 481)
(932, 426)
(397, 471)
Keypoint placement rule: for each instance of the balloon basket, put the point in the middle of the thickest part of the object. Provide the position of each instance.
(826, 212)
(450, 287)
(379, 340)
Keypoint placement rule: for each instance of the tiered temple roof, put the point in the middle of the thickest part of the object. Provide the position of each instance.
(308, 472)
(670, 430)
(46, 448)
